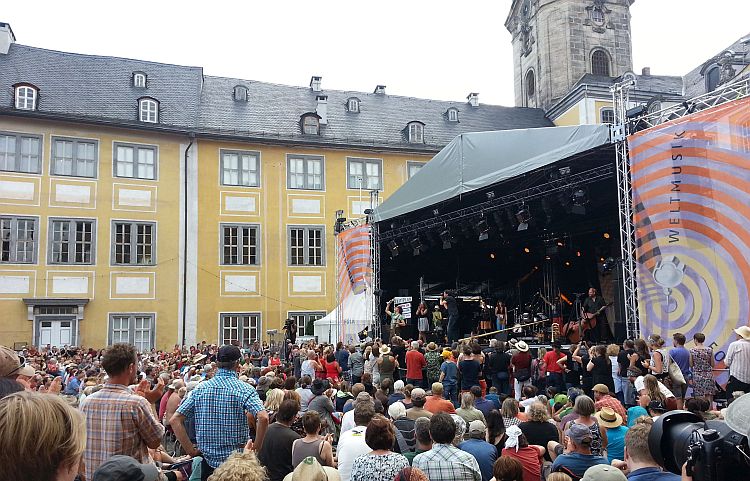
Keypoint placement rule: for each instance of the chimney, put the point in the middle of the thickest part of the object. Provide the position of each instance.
(6, 37)
(473, 99)
(379, 89)
(322, 108)
(646, 71)
(315, 82)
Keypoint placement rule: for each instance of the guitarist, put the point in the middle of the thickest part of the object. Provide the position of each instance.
(595, 320)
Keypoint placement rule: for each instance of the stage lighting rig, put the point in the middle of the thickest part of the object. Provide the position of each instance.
(580, 198)
(524, 217)
(416, 245)
(393, 247)
(484, 229)
(445, 236)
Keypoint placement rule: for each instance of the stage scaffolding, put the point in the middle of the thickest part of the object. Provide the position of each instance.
(624, 126)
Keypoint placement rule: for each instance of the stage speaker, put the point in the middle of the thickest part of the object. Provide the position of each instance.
(620, 330)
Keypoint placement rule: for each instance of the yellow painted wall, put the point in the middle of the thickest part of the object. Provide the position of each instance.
(274, 297)
(571, 117)
(161, 280)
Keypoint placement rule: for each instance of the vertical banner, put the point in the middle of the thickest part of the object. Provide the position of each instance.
(354, 273)
(691, 196)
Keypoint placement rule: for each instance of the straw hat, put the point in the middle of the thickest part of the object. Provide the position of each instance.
(522, 346)
(609, 418)
(744, 332)
(311, 470)
(431, 346)
(385, 350)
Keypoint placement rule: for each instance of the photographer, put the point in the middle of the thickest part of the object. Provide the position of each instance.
(639, 465)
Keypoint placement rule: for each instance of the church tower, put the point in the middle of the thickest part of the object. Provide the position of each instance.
(557, 42)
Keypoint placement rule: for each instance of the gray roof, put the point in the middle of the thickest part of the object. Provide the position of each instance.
(90, 86)
(656, 84)
(100, 89)
(695, 82)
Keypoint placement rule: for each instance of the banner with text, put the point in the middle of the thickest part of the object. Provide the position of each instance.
(691, 196)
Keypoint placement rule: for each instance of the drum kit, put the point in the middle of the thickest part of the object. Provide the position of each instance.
(534, 324)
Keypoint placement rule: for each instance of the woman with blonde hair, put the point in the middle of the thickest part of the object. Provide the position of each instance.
(468, 411)
(274, 397)
(509, 410)
(41, 438)
(240, 467)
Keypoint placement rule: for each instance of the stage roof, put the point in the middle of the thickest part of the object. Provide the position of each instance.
(476, 160)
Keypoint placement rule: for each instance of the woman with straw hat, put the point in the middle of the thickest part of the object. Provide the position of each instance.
(616, 431)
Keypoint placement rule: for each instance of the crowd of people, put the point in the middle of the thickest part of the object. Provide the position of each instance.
(402, 410)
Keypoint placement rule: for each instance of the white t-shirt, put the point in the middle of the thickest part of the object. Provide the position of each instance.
(640, 385)
(351, 444)
(347, 422)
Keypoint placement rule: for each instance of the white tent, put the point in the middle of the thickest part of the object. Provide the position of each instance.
(356, 314)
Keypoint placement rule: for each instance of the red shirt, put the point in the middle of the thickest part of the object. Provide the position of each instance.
(436, 404)
(550, 359)
(415, 362)
(530, 459)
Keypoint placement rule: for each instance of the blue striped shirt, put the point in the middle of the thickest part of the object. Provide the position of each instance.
(219, 405)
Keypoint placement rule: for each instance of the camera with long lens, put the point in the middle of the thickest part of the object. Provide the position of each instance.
(711, 449)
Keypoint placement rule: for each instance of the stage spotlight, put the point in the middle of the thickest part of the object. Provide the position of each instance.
(560, 244)
(435, 212)
(580, 198)
(484, 229)
(417, 245)
(606, 235)
(490, 195)
(547, 258)
(567, 263)
(526, 250)
(609, 264)
(578, 253)
(445, 236)
(492, 255)
(601, 259)
(523, 216)
(393, 247)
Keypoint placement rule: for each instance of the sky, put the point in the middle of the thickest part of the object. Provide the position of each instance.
(439, 49)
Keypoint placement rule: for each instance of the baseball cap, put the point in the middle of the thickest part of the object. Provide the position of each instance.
(477, 427)
(228, 353)
(10, 364)
(125, 468)
(601, 388)
(418, 393)
(579, 434)
(603, 472)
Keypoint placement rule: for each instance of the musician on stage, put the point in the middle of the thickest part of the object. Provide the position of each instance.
(450, 305)
(593, 309)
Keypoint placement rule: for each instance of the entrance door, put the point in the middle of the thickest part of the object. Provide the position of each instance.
(55, 332)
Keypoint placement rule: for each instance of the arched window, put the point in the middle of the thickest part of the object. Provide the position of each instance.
(452, 114)
(139, 80)
(713, 77)
(240, 93)
(607, 116)
(148, 110)
(597, 15)
(416, 133)
(352, 105)
(530, 85)
(310, 124)
(600, 63)
(26, 97)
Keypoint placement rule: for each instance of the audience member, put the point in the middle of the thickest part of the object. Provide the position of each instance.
(613, 422)
(240, 466)
(352, 443)
(380, 464)
(311, 470)
(484, 452)
(603, 398)
(639, 465)
(480, 402)
(436, 403)
(531, 456)
(538, 430)
(584, 407)
(467, 411)
(418, 399)
(449, 377)
(444, 462)
(575, 457)
(404, 427)
(313, 444)
(422, 435)
(507, 469)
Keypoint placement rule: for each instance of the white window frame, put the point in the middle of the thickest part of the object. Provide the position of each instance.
(601, 114)
(310, 122)
(139, 80)
(351, 179)
(308, 258)
(14, 161)
(76, 161)
(137, 163)
(74, 247)
(26, 97)
(413, 163)
(241, 247)
(452, 115)
(244, 175)
(133, 244)
(416, 133)
(244, 324)
(148, 110)
(307, 177)
(240, 93)
(12, 223)
(128, 334)
(352, 105)
(303, 318)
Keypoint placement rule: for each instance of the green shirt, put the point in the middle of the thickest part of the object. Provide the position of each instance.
(410, 455)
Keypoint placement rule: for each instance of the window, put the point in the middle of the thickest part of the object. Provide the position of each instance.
(133, 243)
(136, 329)
(713, 78)
(74, 157)
(72, 241)
(413, 167)
(305, 172)
(26, 97)
(242, 329)
(416, 133)
(597, 15)
(239, 244)
(607, 116)
(139, 80)
(148, 110)
(135, 161)
(352, 105)
(240, 168)
(364, 174)
(310, 125)
(20, 153)
(19, 236)
(306, 246)
(530, 85)
(452, 115)
(600, 63)
(240, 93)
(305, 322)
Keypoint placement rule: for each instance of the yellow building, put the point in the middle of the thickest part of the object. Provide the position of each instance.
(148, 203)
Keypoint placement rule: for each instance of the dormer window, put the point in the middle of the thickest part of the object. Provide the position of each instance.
(352, 105)
(452, 114)
(310, 124)
(416, 132)
(139, 80)
(240, 93)
(148, 110)
(26, 97)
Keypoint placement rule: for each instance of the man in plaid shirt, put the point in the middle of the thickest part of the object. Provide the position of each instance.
(118, 421)
(603, 399)
(444, 462)
(221, 407)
